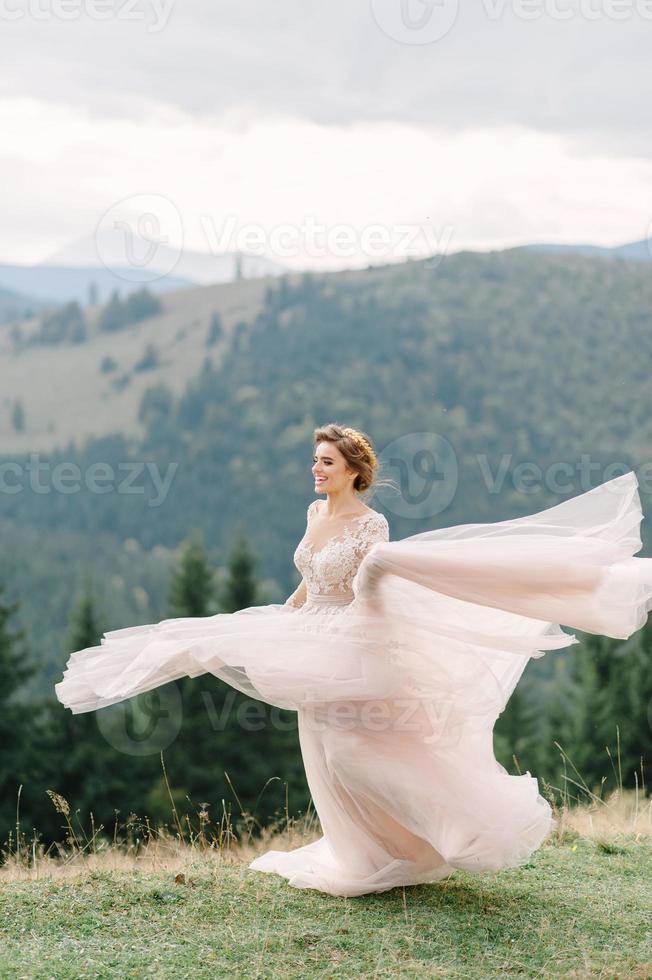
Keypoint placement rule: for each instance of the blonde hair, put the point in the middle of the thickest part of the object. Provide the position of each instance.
(357, 449)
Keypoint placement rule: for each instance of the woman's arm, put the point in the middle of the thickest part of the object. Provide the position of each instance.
(298, 597)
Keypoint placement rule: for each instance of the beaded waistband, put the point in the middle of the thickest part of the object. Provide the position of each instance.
(341, 600)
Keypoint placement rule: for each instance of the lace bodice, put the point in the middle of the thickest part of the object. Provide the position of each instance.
(328, 569)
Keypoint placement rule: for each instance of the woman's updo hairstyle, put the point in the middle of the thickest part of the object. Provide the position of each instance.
(356, 448)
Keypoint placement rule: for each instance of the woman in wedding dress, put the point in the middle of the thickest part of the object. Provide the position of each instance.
(398, 657)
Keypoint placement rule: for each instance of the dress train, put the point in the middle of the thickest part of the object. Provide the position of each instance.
(398, 664)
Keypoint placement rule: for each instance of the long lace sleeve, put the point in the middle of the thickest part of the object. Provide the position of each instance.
(373, 533)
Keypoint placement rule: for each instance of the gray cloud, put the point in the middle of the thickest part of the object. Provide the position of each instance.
(589, 79)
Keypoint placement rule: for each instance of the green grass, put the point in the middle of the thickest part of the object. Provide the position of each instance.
(578, 909)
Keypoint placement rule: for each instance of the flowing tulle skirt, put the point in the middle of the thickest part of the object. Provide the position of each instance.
(397, 691)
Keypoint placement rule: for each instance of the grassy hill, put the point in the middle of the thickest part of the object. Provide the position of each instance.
(475, 333)
(579, 908)
(516, 359)
(15, 305)
(66, 396)
(52, 283)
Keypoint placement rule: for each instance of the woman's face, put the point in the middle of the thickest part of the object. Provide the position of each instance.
(330, 469)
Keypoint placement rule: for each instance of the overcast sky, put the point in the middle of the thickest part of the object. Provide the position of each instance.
(327, 135)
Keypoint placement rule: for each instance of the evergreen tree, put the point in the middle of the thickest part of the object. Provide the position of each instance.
(215, 331)
(192, 587)
(627, 705)
(17, 733)
(112, 315)
(137, 306)
(271, 749)
(600, 712)
(558, 712)
(239, 337)
(65, 323)
(225, 735)
(591, 673)
(18, 416)
(90, 773)
(108, 364)
(639, 733)
(141, 305)
(190, 773)
(612, 684)
(149, 359)
(156, 409)
(517, 732)
(240, 588)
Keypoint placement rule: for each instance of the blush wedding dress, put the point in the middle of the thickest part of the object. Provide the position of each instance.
(398, 663)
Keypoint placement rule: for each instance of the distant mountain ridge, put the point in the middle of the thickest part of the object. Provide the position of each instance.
(89, 269)
(16, 306)
(51, 284)
(520, 366)
(640, 251)
(150, 259)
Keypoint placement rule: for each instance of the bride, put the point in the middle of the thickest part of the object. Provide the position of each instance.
(398, 657)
